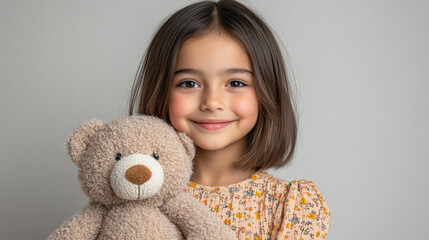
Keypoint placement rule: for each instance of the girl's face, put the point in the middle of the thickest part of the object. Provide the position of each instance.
(213, 98)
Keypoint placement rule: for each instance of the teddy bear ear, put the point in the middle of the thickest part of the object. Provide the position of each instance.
(79, 139)
(188, 144)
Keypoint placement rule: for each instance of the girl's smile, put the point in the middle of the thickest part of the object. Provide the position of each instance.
(212, 124)
(213, 98)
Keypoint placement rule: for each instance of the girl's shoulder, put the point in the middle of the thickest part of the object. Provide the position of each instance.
(297, 194)
(264, 184)
(304, 211)
(293, 187)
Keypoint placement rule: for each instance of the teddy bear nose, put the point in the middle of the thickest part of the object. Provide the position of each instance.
(138, 174)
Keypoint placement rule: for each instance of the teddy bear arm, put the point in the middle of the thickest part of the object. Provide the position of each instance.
(84, 224)
(195, 219)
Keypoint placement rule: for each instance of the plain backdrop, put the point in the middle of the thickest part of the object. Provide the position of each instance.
(361, 74)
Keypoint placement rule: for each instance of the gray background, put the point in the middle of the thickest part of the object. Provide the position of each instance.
(361, 70)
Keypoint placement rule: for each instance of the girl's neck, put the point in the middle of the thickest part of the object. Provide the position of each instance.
(214, 167)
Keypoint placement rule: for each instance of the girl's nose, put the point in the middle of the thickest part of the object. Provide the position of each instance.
(212, 100)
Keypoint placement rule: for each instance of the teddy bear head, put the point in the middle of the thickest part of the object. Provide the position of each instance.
(136, 158)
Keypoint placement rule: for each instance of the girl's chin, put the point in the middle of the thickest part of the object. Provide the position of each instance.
(209, 147)
(216, 146)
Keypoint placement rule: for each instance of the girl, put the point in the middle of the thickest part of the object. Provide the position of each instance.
(214, 71)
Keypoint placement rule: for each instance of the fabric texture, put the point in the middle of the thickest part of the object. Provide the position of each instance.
(264, 207)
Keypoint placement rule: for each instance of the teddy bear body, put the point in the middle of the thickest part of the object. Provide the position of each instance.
(135, 171)
(132, 220)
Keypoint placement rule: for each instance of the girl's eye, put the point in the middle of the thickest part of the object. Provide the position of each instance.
(188, 84)
(236, 84)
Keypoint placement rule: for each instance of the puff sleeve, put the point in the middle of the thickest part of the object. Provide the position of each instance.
(305, 214)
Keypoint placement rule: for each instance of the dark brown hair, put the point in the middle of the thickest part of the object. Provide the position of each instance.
(271, 143)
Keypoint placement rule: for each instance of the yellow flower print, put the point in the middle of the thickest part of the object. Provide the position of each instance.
(325, 211)
(307, 202)
(257, 238)
(258, 214)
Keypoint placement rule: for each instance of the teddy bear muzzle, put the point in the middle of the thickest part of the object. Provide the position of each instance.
(136, 177)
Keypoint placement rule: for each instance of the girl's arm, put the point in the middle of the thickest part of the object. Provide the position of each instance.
(84, 224)
(194, 219)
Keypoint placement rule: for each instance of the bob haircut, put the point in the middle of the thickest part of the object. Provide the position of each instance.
(271, 143)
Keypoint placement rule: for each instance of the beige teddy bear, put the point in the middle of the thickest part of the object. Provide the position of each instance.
(134, 171)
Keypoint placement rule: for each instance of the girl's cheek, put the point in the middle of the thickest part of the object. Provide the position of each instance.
(246, 105)
(180, 107)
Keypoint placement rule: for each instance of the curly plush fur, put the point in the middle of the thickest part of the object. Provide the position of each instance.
(149, 164)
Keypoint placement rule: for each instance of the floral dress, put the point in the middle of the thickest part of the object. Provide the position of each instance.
(264, 207)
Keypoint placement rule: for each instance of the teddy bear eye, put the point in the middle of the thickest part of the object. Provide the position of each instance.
(118, 156)
(156, 156)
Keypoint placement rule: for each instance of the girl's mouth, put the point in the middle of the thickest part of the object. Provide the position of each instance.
(212, 125)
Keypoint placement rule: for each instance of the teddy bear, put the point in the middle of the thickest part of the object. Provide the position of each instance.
(135, 170)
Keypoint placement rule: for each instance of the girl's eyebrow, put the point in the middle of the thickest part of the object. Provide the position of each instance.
(228, 71)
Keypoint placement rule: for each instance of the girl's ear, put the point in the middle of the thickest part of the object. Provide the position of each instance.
(79, 139)
(188, 144)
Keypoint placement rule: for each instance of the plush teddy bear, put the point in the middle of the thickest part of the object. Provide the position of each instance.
(135, 171)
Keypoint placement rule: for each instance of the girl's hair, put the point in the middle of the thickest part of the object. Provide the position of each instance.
(271, 143)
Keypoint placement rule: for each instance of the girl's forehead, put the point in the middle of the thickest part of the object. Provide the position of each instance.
(212, 51)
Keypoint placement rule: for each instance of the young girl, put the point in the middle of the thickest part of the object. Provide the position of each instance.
(214, 71)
